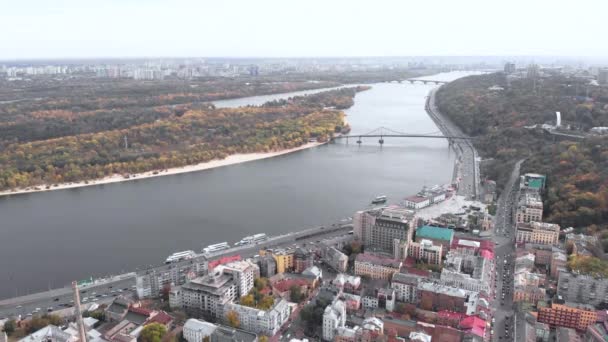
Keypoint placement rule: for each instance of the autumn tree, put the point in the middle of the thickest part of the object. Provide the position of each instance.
(295, 294)
(10, 326)
(233, 319)
(153, 332)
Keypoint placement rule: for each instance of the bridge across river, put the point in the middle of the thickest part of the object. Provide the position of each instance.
(414, 80)
(383, 132)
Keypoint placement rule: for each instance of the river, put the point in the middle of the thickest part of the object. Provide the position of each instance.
(48, 239)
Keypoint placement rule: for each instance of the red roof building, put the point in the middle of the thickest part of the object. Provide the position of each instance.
(474, 325)
(161, 318)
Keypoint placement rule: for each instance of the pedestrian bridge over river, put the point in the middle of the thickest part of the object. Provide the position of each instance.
(383, 132)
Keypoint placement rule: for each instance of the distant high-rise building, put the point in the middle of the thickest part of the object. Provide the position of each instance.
(533, 71)
(390, 225)
(509, 68)
(602, 76)
(254, 70)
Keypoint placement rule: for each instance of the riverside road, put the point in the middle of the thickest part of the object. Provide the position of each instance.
(125, 284)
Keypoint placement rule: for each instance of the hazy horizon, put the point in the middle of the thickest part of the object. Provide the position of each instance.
(71, 29)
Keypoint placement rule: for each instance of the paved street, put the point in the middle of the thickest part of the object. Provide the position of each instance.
(62, 298)
(59, 298)
(467, 168)
(504, 237)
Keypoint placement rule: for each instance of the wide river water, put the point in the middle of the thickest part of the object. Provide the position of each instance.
(48, 239)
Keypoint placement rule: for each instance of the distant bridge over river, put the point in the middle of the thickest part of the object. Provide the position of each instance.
(414, 80)
(383, 132)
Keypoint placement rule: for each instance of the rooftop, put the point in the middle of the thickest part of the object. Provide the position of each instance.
(416, 199)
(224, 333)
(161, 317)
(48, 333)
(286, 284)
(210, 282)
(407, 278)
(447, 290)
(436, 233)
(535, 183)
(203, 327)
(378, 260)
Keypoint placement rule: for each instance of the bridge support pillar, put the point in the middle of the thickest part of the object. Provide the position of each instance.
(381, 141)
(359, 141)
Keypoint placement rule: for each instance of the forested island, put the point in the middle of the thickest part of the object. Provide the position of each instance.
(166, 137)
(500, 112)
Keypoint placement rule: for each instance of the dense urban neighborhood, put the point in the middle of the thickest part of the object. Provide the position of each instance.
(504, 252)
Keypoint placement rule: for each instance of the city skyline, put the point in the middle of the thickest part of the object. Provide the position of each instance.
(71, 29)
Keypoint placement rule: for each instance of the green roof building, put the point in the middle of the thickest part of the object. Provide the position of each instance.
(534, 181)
(435, 233)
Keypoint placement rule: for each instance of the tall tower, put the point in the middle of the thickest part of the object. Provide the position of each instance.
(78, 312)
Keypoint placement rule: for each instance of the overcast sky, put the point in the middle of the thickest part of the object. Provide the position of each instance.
(286, 28)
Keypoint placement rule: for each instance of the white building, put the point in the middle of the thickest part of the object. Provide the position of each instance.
(369, 301)
(373, 324)
(206, 295)
(49, 333)
(150, 283)
(530, 208)
(468, 272)
(426, 251)
(405, 286)
(266, 322)
(417, 202)
(195, 330)
(582, 288)
(334, 317)
(244, 273)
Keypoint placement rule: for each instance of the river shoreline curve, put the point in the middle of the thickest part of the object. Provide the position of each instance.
(232, 159)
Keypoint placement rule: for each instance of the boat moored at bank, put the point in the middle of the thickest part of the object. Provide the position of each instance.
(216, 247)
(179, 256)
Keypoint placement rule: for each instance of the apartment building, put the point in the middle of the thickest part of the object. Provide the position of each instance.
(206, 296)
(405, 286)
(426, 251)
(284, 259)
(375, 266)
(438, 235)
(582, 288)
(334, 317)
(266, 322)
(538, 232)
(559, 315)
(390, 225)
(243, 272)
(150, 283)
(468, 272)
(530, 208)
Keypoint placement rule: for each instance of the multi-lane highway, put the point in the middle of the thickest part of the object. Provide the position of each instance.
(102, 291)
(467, 164)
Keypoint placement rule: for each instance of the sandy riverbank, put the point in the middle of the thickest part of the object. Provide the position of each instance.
(230, 160)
